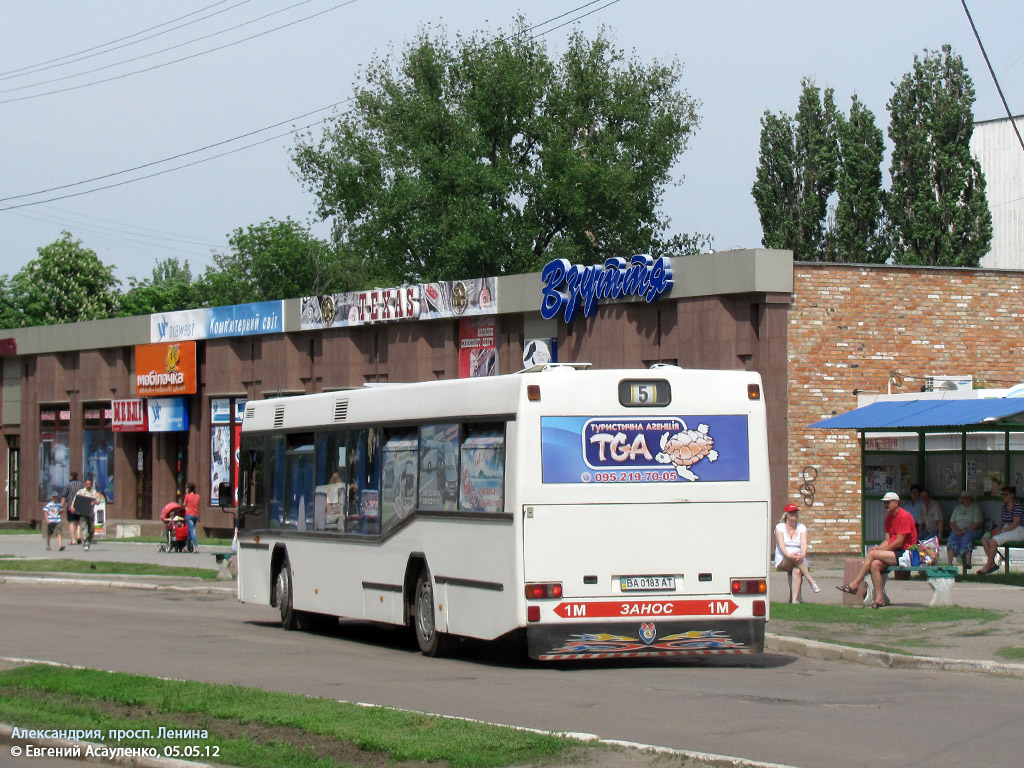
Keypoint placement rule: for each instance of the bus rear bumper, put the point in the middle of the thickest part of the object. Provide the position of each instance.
(654, 638)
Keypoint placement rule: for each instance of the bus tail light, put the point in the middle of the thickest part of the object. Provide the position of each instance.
(543, 590)
(753, 391)
(533, 613)
(749, 586)
(760, 608)
(533, 392)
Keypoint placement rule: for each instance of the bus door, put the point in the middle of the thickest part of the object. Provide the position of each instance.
(299, 494)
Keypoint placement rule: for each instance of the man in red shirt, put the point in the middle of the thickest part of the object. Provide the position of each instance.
(901, 534)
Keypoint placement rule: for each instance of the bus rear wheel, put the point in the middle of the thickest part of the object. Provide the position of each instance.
(427, 636)
(283, 596)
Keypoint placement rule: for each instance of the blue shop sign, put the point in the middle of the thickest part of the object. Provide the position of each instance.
(567, 286)
(167, 414)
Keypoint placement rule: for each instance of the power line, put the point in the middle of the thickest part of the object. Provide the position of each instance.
(174, 61)
(991, 71)
(251, 133)
(172, 157)
(61, 61)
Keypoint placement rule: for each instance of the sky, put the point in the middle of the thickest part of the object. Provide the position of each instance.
(739, 59)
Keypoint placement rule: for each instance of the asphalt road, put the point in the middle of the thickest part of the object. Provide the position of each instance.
(772, 708)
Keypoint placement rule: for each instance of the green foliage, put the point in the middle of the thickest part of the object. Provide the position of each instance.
(67, 283)
(796, 173)
(486, 157)
(271, 261)
(170, 289)
(99, 567)
(937, 209)
(855, 236)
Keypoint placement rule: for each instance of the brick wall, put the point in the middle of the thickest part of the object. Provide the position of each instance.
(849, 327)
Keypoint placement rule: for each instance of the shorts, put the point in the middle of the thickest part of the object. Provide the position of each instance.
(1017, 534)
(72, 517)
(52, 528)
(899, 554)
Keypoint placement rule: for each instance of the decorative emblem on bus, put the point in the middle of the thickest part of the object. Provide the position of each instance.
(685, 448)
(648, 632)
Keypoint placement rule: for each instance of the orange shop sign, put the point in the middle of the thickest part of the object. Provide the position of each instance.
(165, 369)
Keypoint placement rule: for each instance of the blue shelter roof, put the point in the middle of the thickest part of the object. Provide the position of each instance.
(921, 414)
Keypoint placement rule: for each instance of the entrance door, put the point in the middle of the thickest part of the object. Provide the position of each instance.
(13, 478)
(299, 471)
(143, 478)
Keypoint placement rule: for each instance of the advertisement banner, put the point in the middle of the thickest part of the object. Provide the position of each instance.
(167, 414)
(478, 355)
(128, 415)
(218, 322)
(428, 301)
(165, 369)
(705, 448)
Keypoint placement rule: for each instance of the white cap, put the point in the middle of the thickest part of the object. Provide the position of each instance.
(890, 496)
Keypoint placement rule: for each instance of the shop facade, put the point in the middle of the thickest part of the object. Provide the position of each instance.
(145, 404)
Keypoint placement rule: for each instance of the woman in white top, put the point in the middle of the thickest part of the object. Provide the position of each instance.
(791, 551)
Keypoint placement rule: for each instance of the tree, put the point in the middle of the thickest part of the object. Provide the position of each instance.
(270, 261)
(854, 236)
(796, 173)
(486, 157)
(67, 283)
(170, 289)
(937, 209)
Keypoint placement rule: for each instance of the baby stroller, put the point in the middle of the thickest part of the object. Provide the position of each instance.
(175, 530)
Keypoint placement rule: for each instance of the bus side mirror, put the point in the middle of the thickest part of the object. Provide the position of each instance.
(224, 496)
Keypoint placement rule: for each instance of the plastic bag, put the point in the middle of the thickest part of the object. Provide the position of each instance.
(929, 549)
(234, 542)
(904, 561)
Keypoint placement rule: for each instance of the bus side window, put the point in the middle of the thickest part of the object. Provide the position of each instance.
(364, 486)
(482, 486)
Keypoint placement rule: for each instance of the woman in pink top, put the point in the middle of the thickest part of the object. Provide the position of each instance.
(191, 502)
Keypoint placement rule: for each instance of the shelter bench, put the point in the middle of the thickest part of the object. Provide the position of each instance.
(1006, 547)
(223, 561)
(940, 578)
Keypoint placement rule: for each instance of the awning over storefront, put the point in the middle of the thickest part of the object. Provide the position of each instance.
(921, 414)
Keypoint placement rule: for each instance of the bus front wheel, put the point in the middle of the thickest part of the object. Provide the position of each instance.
(427, 636)
(283, 590)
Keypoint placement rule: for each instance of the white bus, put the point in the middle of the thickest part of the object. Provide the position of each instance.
(602, 513)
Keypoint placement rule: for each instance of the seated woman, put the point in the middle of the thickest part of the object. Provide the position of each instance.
(791, 551)
(1010, 528)
(964, 528)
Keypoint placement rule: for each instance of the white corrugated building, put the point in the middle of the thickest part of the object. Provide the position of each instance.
(997, 148)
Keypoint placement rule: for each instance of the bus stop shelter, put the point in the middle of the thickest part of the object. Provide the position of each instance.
(945, 445)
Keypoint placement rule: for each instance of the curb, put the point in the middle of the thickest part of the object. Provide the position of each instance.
(117, 584)
(814, 649)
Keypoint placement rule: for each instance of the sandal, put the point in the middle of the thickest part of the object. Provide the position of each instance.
(847, 589)
(879, 604)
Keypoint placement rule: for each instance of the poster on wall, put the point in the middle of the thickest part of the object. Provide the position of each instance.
(478, 355)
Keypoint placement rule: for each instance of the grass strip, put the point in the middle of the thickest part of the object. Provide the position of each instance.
(893, 615)
(102, 567)
(261, 729)
(1012, 652)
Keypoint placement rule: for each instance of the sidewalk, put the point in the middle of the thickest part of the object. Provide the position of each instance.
(972, 645)
(960, 645)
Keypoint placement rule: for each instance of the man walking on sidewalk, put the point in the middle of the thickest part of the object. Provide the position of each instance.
(84, 502)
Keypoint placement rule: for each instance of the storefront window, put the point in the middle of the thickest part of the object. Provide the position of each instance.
(98, 449)
(54, 452)
(225, 436)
